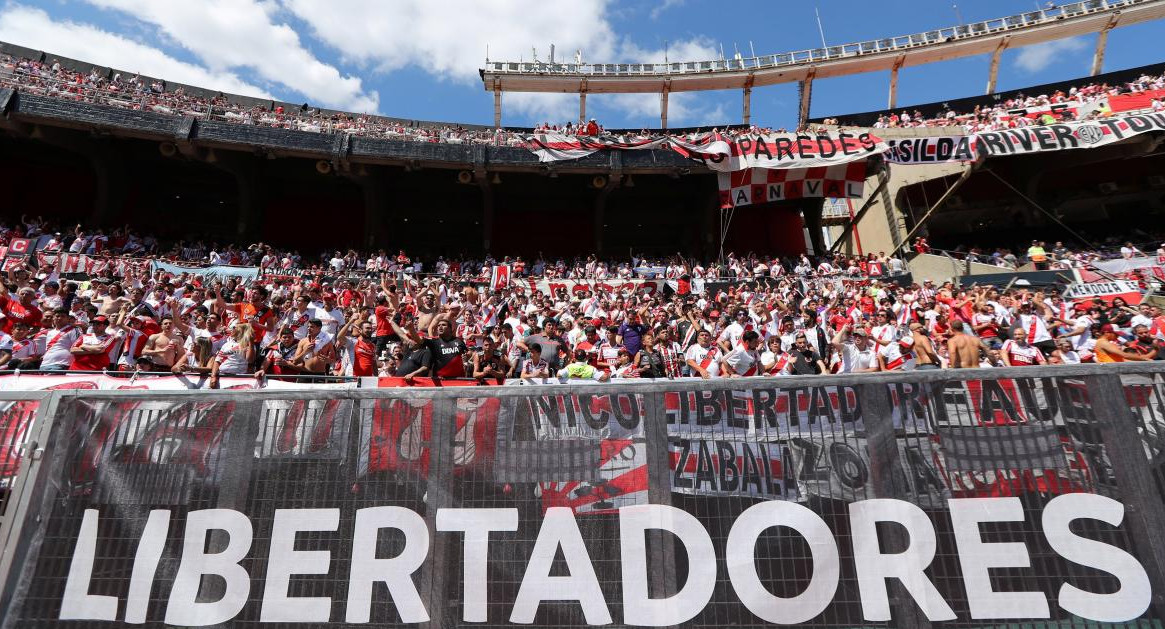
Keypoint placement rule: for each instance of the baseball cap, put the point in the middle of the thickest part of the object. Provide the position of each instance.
(104, 319)
(1108, 327)
(859, 332)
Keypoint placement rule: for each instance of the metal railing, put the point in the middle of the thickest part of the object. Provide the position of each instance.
(818, 55)
(142, 98)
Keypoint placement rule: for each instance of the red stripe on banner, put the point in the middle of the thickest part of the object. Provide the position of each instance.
(815, 172)
(758, 193)
(794, 190)
(856, 171)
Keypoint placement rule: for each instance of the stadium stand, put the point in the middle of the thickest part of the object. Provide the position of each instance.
(86, 297)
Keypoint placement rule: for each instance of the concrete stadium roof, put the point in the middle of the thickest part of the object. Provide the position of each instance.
(987, 37)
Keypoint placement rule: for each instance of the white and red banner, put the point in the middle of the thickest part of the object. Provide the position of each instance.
(723, 153)
(19, 247)
(99, 382)
(1106, 291)
(761, 185)
(578, 287)
(1022, 140)
(719, 152)
(499, 277)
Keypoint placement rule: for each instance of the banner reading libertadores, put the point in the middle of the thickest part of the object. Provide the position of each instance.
(776, 500)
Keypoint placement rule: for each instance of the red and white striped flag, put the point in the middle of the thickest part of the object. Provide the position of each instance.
(499, 277)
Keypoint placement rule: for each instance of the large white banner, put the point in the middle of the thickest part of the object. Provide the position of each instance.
(1020, 141)
(725, 154)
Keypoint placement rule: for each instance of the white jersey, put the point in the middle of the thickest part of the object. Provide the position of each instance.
(1021, 355)
(1036, 328)
(853, 358)
(57, 346)
(231, 359)
(708, 358)
(743, 361)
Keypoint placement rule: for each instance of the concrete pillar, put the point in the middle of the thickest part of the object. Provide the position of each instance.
(746, 118)
(582, 108)
(1098, 56)
(993, 72)
(663, 109)
(893, 101)
(497, 106)
(1102, 43)
(805, 87)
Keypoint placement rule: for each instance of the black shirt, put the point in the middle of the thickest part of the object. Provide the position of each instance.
(804, 362)
(445, 357)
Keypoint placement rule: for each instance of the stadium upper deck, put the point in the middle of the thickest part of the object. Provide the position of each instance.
(803, 66)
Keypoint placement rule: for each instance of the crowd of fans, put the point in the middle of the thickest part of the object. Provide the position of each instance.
(1085, 102)
(52, 79)
(133, 92)
(380, 315)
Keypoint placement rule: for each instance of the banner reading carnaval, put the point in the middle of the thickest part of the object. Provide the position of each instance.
(544, 508)
(722, 153)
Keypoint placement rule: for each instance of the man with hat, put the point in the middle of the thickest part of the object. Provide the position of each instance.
(95, 350)
(857, 353)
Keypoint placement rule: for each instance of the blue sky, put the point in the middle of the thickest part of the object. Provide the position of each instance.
(419, 58)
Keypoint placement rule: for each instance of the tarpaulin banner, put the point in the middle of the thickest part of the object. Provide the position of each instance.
(549, 507)
(578, 287)
(1105, 290)
(724, 153)
(1021, 140)
(721, 152)
(761, 185)
(209, 273)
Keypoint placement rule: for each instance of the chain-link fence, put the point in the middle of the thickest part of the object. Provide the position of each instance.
(994, 498)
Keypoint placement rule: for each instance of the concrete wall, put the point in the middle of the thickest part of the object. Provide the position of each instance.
(940, 268)
(882, 227)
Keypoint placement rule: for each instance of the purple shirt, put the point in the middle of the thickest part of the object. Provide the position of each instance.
(632, 334)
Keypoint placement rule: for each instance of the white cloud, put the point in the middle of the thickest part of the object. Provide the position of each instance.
(228, 34)
(1036, 57)
(449, 40)
(664, 6)
(35, 29)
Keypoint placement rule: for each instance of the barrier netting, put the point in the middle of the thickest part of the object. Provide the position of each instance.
(905, 500)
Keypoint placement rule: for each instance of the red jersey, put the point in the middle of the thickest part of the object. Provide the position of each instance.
(15, 312)
(383, 323)
(95, 362)
(364, 358)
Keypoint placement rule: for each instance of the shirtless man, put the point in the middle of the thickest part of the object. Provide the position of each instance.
(962, 348)
(112, 303)
(427, 309)
(924, 355)
(162, 348)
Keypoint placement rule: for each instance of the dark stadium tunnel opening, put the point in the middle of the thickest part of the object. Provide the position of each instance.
(1083, 198)
(227, 196)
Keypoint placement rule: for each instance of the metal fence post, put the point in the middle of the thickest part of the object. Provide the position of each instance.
(882, 446)
(661, 558)
(1130, 465)
(23, 511)
(438, 488)
(239, 456)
